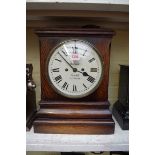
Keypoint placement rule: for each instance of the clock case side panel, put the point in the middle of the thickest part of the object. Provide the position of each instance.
(50, 41)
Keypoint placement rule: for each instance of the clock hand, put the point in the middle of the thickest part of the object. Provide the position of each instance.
(74, 69)
(84, 73)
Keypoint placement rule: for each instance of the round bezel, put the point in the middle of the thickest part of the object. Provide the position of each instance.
(73, 96)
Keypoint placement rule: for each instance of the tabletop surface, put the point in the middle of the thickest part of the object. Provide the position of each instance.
(119, 141)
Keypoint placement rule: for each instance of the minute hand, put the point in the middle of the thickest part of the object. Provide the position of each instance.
(74, 69)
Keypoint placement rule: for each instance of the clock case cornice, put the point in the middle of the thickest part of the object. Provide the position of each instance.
(100, 32)
(59, 114)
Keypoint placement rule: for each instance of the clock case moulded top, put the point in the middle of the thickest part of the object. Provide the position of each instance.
(50, 38)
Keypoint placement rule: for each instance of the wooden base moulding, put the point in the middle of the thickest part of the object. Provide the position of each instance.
(78, 118)
(74, 126)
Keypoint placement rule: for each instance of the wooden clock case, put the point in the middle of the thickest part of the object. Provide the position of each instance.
(88, 115)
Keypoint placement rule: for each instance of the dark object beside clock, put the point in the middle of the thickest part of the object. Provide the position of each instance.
(30, 97)
(121, 107)
(74, 81)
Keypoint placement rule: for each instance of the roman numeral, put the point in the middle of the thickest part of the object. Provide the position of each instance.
(55, 70)
(84, 85)
(93, 69)
(91, 79)
(65, 85)
(58, 78)
(58, 60)
(91, 60)
(74, 88)
(65, 53)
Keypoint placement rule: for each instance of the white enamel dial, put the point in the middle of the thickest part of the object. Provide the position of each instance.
(74, 68)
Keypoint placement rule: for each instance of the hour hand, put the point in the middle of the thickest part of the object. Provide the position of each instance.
(83, 73)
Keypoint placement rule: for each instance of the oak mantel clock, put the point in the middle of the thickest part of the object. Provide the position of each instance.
(74, 81)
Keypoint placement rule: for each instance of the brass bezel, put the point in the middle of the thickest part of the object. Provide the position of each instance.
(57, 90)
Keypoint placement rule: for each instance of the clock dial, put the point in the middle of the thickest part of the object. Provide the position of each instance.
(75, 68)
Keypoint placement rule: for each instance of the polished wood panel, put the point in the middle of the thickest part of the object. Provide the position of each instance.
(75, 105)
(74, 113)
(74, 126)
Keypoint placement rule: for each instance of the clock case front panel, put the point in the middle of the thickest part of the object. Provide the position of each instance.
(87, 115)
